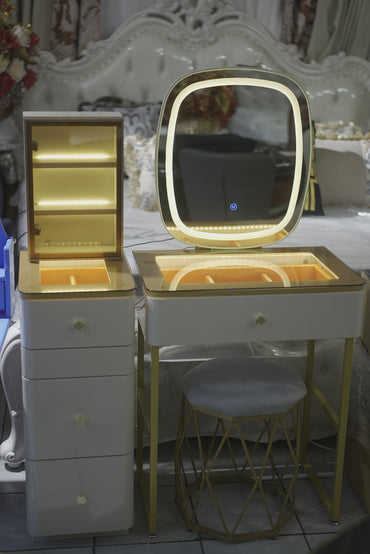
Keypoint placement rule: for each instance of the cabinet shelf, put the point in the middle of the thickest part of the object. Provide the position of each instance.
(66, 165)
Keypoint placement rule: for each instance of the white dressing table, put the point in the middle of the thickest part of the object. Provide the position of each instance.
(229, 194)
(304, 310)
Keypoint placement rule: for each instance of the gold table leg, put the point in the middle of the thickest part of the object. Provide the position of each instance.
(342, 428)
(340, 421)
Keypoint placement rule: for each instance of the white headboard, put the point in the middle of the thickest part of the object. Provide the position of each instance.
(152, 49)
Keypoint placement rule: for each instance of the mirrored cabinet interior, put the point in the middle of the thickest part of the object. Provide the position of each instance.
(74, 176)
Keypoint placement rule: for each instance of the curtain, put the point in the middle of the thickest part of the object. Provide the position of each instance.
(341, 26)
(115, 12)
(74, 23)
(266, 12)
(65, 27)
(298, 19)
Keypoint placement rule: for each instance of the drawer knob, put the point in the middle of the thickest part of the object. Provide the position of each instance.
(81, 500)
(80, 420)
(260, 320)
(79, 325)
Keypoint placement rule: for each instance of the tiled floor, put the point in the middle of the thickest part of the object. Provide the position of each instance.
(309, 528)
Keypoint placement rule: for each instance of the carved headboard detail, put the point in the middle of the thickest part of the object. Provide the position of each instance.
(155, 47)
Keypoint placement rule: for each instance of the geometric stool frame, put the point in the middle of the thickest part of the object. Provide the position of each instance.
(266, 481)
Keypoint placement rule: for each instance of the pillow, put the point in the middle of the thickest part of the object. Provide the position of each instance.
(344, 137)
(342, 177)
(139, 160)
(138, 118)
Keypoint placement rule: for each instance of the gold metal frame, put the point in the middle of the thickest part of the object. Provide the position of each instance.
(147, 414)
(263, 481)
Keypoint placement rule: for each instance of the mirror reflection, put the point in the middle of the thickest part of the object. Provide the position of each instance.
(233, 157)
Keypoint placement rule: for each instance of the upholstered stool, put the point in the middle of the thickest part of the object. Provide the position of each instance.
(243, 397)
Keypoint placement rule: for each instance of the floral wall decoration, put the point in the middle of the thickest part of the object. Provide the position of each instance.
(17, 52)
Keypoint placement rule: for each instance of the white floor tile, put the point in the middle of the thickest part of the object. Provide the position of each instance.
(313, 515)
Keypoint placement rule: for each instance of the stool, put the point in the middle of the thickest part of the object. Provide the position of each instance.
(238, 394)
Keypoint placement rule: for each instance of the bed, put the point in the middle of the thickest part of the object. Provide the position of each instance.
(130, 72)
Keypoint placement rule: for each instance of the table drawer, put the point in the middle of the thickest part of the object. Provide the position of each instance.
(77, 362)
(259, 317)
(91, 495)
(79, 417)
(77, 323)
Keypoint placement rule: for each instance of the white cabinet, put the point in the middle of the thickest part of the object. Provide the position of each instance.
(79, 396)
(77, 327)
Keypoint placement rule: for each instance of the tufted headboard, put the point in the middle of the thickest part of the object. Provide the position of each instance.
(152, 49)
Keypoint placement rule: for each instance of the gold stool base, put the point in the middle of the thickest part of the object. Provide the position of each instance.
(259, 489)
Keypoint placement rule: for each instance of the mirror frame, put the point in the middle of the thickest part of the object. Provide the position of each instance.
(260, 234)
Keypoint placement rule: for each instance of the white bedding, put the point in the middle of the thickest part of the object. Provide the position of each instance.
(343, 230)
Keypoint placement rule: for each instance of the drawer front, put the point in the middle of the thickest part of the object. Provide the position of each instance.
(77, 323)
(93, 495)
(77, 362)
(260, 317)
(67, 418)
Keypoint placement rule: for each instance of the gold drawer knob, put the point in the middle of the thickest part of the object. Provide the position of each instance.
(80, 420)
(81, 500)
(79, 325)
(260, 320)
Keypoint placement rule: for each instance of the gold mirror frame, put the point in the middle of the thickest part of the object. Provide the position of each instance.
(245, 233)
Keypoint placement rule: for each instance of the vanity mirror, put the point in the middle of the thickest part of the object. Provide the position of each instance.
(233, 157)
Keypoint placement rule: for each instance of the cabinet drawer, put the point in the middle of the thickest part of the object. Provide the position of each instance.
(79, 417)
(77, 362)
(92, 495)
(74, 323)
(260, 317)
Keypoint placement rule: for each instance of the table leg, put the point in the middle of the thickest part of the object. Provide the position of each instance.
(307, 400)
(342, 429)
(340, 421)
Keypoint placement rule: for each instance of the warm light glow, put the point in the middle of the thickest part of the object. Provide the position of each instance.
(72, 157)
(219, 228)
(285, 267)
(198, 232)
(229, 263)
(73, 203)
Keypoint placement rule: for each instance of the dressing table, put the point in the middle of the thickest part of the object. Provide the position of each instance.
(228, 288)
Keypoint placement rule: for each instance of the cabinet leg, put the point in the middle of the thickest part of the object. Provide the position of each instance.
(153, 471)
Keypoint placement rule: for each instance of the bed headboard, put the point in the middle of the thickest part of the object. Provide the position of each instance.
(154, 48)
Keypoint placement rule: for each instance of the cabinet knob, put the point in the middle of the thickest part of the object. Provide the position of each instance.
(80, 420)
(81, 500)
(79, 325)
(260, 319)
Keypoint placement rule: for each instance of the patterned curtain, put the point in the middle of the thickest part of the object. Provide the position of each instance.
(298, 19)
(74, 23)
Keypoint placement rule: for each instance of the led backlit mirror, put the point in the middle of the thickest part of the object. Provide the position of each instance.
(233, 157)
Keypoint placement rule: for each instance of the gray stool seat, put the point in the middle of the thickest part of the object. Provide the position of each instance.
(242, 388)
(236, 393)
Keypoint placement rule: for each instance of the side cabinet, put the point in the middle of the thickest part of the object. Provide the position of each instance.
(79, 392)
